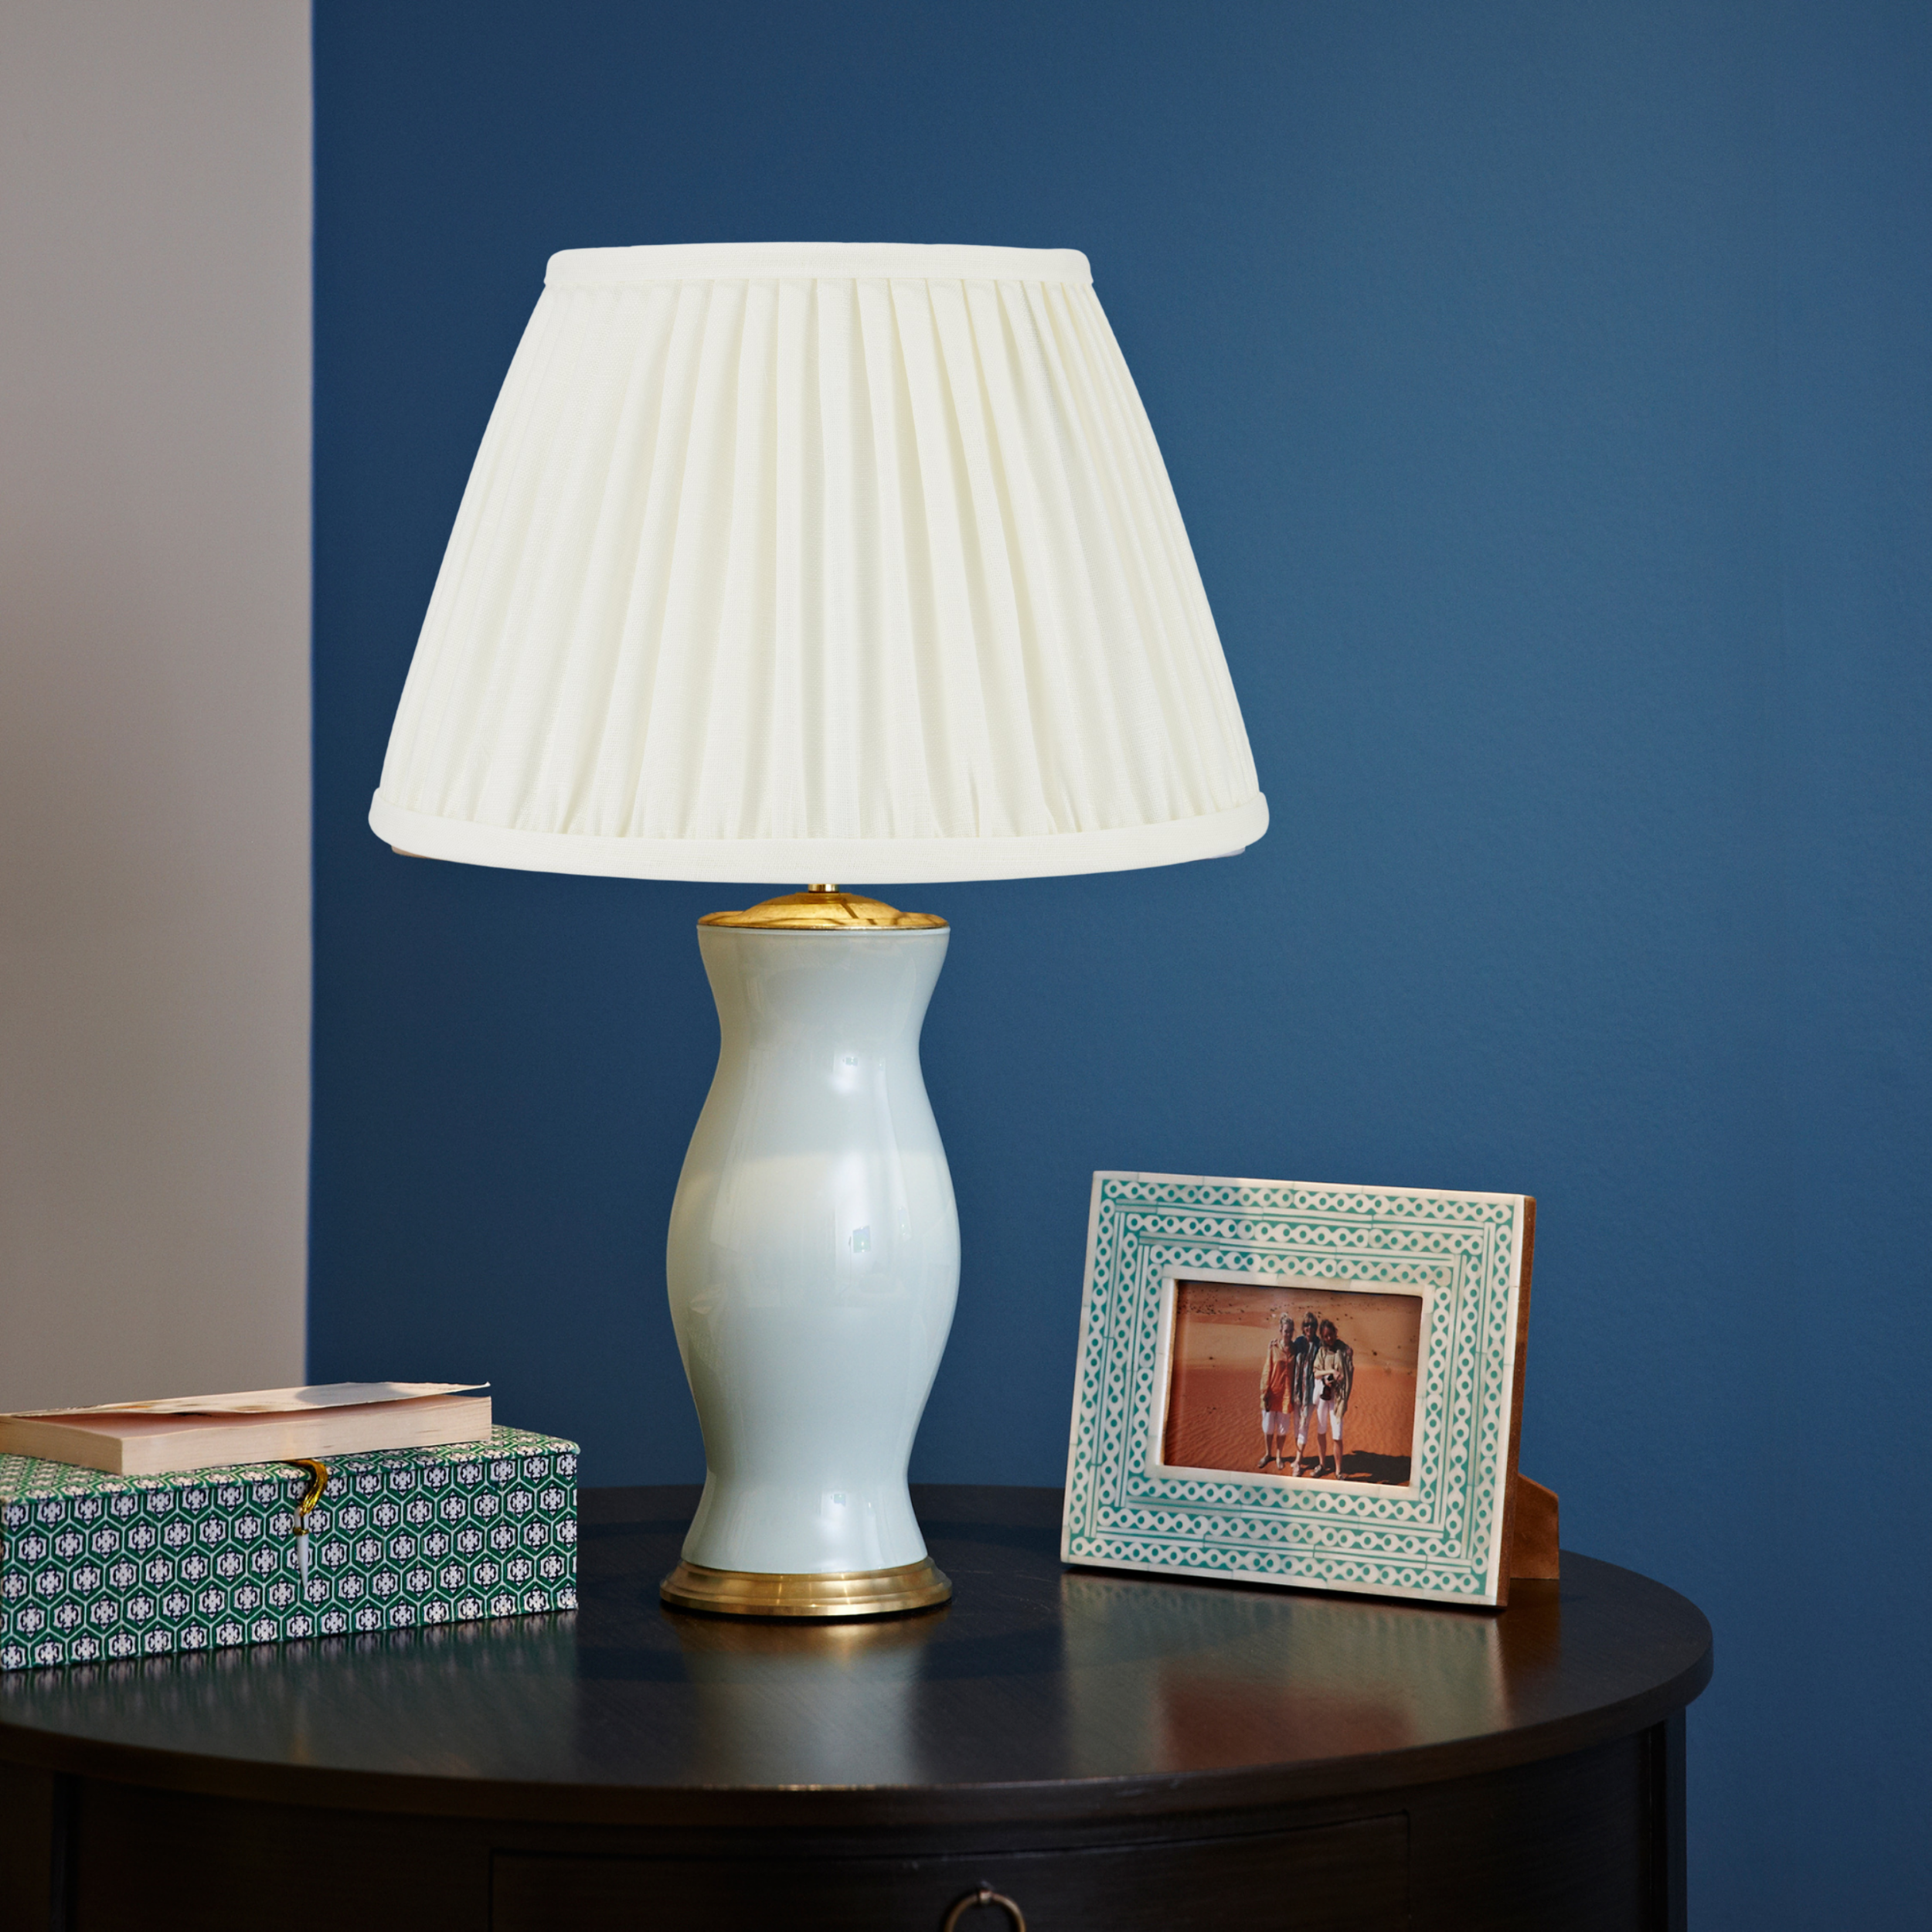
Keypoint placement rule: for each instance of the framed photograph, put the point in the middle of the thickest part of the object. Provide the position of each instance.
(1315, 1386)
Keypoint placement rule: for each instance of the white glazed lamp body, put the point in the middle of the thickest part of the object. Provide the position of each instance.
(814, 1255)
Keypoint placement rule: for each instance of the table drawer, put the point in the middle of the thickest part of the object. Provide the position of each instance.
(1351, 1877)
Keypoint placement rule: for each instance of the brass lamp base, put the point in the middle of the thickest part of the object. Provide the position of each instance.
(850, 1593)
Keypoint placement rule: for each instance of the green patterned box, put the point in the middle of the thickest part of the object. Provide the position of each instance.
(94, 1565)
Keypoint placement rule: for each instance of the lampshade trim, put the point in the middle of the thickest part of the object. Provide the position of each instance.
(840, 261)
(875, 861)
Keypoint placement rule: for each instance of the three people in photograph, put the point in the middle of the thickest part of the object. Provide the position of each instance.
(1305, 1377)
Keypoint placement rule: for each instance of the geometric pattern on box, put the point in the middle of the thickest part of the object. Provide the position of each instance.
(1441, 1538)
(95, 1566)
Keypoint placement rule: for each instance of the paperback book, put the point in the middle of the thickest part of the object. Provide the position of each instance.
(153, 1438)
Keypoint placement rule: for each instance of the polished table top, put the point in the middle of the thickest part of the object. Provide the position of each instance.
(1033, 1683)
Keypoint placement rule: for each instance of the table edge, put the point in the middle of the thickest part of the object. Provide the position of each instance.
(1066, 1801)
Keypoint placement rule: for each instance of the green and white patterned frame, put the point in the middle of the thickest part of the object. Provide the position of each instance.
(1441, 1540)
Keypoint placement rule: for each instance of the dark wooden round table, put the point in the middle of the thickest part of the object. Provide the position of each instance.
(1107, 1751)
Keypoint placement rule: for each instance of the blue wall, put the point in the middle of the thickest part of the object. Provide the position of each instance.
(1548, 389)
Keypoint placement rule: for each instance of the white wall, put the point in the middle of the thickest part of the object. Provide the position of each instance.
(154, 196)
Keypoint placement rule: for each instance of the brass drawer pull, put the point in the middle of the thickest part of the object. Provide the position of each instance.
(985, 1896)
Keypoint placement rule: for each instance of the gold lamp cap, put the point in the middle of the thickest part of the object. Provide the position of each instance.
(825, 909)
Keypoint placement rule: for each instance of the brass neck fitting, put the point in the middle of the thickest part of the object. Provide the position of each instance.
(825, 909)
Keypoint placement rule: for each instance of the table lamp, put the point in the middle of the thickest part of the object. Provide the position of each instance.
(820, 563)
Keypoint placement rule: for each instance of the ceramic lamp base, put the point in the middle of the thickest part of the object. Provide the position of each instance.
(856, 1593)
(812, 1262)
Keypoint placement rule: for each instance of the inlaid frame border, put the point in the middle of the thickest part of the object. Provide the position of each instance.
(1444, 1539)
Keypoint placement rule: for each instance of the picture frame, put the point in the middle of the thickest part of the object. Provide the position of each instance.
(1187, 1278)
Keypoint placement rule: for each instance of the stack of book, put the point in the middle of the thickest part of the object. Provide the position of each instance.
(197, 1522)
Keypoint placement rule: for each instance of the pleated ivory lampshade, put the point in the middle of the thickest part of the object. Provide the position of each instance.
(818, 562)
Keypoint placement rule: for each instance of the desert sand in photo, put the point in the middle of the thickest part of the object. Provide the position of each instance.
(1221, 1334)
